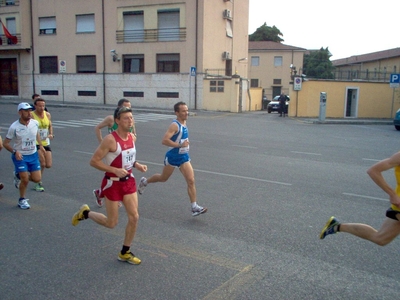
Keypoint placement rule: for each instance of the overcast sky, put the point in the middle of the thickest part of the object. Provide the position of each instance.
(347, 28)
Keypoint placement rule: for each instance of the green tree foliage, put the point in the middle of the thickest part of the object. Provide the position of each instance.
(266, 33)
(317, 64)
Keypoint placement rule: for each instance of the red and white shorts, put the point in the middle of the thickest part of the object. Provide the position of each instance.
(116, 190)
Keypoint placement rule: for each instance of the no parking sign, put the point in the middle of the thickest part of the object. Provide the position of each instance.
(62, 68)
(297, 84)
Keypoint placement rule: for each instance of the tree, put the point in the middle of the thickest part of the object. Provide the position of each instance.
(266, 33)
(317, 64)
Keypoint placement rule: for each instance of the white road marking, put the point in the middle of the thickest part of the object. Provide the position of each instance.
(371, 159)
(242, 146)
(307, 153)
(366, 197)
(210, 172)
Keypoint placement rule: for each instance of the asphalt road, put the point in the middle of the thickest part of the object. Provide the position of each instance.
(270, 185)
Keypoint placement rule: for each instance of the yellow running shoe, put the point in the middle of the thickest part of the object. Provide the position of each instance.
(129, 257)
(78, 216)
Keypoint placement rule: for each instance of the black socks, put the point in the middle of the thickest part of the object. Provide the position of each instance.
(124, 249)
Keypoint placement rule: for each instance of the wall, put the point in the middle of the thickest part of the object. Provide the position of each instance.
(374, 99)
(68, 86)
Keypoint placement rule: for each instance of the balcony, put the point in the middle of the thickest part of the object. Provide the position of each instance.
(9, 2)
(4, 41)
(151, 35)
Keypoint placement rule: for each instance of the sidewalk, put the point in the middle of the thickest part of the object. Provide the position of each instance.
(111, 107)
(355, 121)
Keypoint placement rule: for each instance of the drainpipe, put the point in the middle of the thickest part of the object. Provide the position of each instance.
(32, 52)
(104, 54)
(196, 53)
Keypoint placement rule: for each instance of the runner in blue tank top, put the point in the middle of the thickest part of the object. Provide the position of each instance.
(177, 139)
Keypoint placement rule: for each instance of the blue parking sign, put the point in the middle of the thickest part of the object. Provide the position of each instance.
(394, 78)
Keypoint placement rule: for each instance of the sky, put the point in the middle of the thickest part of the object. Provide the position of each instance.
(347, 28)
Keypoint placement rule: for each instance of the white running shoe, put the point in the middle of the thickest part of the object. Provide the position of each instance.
(142, 185)
(17, 180)
(23, 203)
(99, 201)
(198, 210)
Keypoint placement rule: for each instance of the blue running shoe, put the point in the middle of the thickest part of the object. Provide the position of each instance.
(331, 227)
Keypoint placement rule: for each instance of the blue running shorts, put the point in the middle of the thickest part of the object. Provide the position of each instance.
(29, 163)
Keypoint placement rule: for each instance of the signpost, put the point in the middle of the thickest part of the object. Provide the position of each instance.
(192, 74)
(394, 83)
(62, 68)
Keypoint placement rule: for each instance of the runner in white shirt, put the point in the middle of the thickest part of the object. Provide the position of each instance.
(25, 133)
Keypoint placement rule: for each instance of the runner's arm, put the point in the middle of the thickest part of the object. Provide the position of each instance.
(166, 141)
(107, 122)
(375, 172)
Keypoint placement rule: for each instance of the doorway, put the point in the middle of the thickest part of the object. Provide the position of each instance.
(276, 91)
(8, 77)
(351, 103)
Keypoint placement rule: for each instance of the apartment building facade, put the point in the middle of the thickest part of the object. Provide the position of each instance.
(152, 52)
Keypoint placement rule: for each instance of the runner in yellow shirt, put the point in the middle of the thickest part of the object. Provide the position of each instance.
(46, 134)
(390, 228)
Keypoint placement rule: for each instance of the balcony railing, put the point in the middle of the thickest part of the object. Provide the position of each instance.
(151, 35)
(217, 73)
(4, 41)
(9, 2)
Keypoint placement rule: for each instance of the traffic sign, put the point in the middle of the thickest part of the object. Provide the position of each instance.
(297, 83)
(192, 71)
(394, 80)
(62, 66)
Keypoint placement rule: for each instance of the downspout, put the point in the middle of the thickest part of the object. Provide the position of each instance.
(248, 92)
(104, 54)
(32, 51)
(196, 54)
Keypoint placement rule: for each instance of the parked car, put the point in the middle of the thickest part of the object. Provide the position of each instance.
(396, 120)
(265, 102)
(274, 104)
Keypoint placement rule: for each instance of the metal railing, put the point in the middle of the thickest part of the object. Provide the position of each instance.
(216, 73)
(4, 41)
(151, 35)
(9, 2)
(354, 75)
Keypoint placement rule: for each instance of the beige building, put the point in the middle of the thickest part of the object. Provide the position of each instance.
(272, 65)
(376, 66)
(153, 52)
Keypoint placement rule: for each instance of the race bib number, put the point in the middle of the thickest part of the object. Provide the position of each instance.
(183, 150)
(28, 145)
(127, 159)
(43, 134)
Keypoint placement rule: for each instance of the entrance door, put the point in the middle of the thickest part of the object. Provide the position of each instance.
(276, 90)
(8, 77)
(351, 104)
